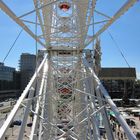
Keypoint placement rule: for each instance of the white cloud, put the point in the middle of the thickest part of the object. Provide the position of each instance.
(138, 75)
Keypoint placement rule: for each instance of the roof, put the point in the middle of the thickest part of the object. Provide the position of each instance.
(117, 73)
(135, 110)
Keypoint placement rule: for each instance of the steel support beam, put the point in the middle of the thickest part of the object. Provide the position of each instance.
(19, 102)
(108, 99)
(106, 122)
(13, 16)
(26, 114)
(120, 12)
(90, 89)
(39, 8)
(33, 135)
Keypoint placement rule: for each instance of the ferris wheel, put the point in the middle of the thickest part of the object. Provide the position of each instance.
(65, 95)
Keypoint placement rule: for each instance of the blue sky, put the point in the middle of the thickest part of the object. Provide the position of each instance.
(125, 31)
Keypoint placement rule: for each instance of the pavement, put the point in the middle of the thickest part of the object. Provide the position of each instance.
(12, 132)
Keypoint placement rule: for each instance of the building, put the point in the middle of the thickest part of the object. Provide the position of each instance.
(6, 77)
(27, 68)
(119, 82)
(9, 82)
(137, 90)
(6, 73)
(16, 80)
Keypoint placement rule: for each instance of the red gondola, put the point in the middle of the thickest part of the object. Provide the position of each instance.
(65, 6)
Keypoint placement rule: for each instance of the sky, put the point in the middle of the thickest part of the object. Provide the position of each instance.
(125, 31)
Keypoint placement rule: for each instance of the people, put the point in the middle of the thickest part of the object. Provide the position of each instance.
(122, 136)
(6, 116)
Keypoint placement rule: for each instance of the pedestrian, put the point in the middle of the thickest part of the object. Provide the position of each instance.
(118, 133)
(122, 136)
(104, 136)
(119, 126)
(113, 128)
(5, 116)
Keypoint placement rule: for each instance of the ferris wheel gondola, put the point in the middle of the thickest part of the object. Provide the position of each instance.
(65, 6)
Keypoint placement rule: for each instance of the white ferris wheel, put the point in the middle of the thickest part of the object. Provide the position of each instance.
(65, 95)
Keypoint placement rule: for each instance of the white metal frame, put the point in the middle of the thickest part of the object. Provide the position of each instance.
(67, 86)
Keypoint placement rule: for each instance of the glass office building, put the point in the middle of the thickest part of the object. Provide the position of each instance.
(6, 73)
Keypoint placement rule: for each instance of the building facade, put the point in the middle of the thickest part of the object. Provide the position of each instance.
(27, 68)
(119, 82)
(137, 90)
(9, 82)
(6, 77)
(6, 73)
